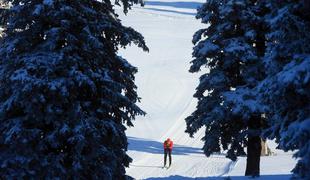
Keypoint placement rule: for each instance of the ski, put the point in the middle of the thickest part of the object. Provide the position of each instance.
(166, 167)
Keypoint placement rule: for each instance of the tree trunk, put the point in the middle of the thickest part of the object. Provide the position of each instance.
(306, 5)
(254, 146)
(3, 16)
(306, 9)
(253, 156)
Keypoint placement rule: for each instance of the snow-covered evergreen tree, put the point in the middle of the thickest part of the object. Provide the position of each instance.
(231, 47)
(64, 92)
(286, 90)
(3, 10)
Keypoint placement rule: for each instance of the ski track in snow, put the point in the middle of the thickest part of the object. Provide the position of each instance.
(166, 88)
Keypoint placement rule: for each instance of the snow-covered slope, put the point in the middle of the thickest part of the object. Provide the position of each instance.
(166, 88)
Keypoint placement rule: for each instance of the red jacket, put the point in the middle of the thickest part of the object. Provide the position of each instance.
(168, 144)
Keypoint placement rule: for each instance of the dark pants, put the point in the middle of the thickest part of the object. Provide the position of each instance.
(167, 151)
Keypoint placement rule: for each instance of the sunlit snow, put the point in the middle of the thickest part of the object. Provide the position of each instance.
(166, 88)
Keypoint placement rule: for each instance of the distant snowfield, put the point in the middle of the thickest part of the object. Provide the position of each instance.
(166, 88)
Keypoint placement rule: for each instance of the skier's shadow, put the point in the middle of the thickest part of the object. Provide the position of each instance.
(143, 166)
(155, 147)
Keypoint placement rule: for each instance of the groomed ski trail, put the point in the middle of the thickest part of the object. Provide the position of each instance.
(166, 88)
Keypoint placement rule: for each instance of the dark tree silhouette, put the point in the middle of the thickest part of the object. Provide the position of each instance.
(64, 92)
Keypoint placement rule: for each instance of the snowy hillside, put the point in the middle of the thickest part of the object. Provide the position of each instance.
(166, 88)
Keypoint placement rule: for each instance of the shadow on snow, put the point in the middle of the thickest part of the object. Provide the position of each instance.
(171, 11)
(145, 166)
(155, 147)
(184, 5)
(262, 177)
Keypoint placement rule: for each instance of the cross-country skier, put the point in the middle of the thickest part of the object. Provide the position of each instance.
(168, 144)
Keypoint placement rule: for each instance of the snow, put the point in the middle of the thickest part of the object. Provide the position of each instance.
(295, 72)
(166, 88)
(48, 2)
(207, 48)
(1, 30)
(37, 10)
